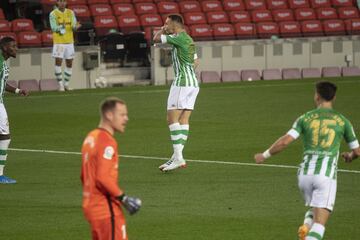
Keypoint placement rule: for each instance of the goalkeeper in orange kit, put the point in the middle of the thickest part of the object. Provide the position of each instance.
(102, 197)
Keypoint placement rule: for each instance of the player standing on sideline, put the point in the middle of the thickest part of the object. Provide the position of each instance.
(102, 196)
(8, 49)
(184, 89)
(322, 130)
(63, 22)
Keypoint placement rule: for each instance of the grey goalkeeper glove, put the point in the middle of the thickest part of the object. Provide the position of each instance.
(131, 204)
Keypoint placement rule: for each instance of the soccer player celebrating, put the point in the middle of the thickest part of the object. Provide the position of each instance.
(8, 49)
(63, 22)
(102, 196)
(184, 89)
(322, 130)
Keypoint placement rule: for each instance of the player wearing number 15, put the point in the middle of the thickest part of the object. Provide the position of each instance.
(322, 130)
(102, 196)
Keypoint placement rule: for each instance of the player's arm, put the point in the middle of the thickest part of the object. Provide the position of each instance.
(282, 142)
(278, 146)
(75, 24)
(353, 143)
(158, 34)
(12, 89)
(55, 27)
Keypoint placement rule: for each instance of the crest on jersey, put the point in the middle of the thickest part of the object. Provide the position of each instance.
(108, 152)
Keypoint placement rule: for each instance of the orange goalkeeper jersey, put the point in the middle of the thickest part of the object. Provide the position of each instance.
(99, 175)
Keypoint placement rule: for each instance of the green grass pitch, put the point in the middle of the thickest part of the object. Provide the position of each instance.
(207, 200)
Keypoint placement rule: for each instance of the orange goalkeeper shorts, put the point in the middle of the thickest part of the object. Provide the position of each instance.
(108, 229)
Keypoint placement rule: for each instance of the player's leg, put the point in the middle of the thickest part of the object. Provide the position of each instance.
(58, 54)
(308, 222)
(101, 229)
(185, 126)
(69, 56)
(321, 215)
(306, 188)
(4, 144)
(120, 229)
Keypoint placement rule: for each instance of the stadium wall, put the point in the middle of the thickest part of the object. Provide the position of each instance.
(266, 54)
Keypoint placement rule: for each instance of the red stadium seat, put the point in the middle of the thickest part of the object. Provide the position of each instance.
(2, 16)
(342, 3)
(123, 9)
(140, 1)
(267, 29)
(271, 74)
(76, 2)
(100, 10)
(168, 7)
(326, 13)
(283, 15)
(129, 23)
(90, 2)
(8, 34)
(250, 75)
(217, 17)
(331, 72)
(31, 85)
(201, 32)
(350, 71)
(119, 1)
(312, 28)
(277, 4)
(211, 6)
(291, 73)
(223, 31)
(22, 24)
(82, 12)
(348, 12)
(46, 38)
(245, 30)
(48, 85)
(320, 3)
(352, 26)
(29, 39)
(194, 18)
(310, 73)
(303, 14)
(334, 27)
(145, 8)
(255, 5)
(5, 26)
(230, 76)
(12, 83)
(233, 5)
(103, 24)
(239, 16)
(151, 20)
(290, 29)
(189, 6)
(261, 16)
(210, 77)
(294, 4)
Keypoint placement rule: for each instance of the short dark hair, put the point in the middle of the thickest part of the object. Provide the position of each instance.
(6, 40)
(176, 18)
(326, 90)
(109, 104)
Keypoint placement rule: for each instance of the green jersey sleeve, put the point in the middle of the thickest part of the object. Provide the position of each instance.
(73, 20)
(297, 128)
(176, 40)
(349, 135)
(55, 27)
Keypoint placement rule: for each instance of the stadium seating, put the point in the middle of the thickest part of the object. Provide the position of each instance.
(283, 15)
(320, 3)
(201, 32)
(245, 30)
(223, 31)
(331, 72)
(326, 13)
(277, 4)
(123, 9)
(233, 5)
(290, 29)
(151, 20)
(46, 38)
(31, 85)
(230, 76)
(103, 24)
(12, 83)
(310, 73)
(303, 14)
(48, 85)
(7, 34)
(239, 16)
(294, 4)
(129, 23)
(189, 6)
(341, 3)
(5, 26)
(22, 24)
(352, 26)
(312, 28)
(334, 27)
(145, 8)
(267, 29)
(250, 75)
(255, 5)
(76, 2)
(167, 7)
(195, 18)
(291, 73)
(217, 17)
(211, 6)
(261, 16)
(350, 71)
(29, 39)
(101, 10)
(82, 12)
(348, 12)
(209, 76)
(271, 74)
(2, 16)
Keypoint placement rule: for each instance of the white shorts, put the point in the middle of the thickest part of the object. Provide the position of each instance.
(4, 122)
(182, 97)
(64, 51)
(318, 191)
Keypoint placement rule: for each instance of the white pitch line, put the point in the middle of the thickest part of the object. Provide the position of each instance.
(163, 158)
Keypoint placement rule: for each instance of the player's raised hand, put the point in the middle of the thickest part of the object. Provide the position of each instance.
(347, 156)
(259, 158)
(131, 204)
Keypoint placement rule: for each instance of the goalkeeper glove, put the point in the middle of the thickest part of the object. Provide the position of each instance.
(131, 204)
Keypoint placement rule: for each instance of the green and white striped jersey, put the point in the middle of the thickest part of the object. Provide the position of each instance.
(4, 75)
(183, 55)
(322, 131)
